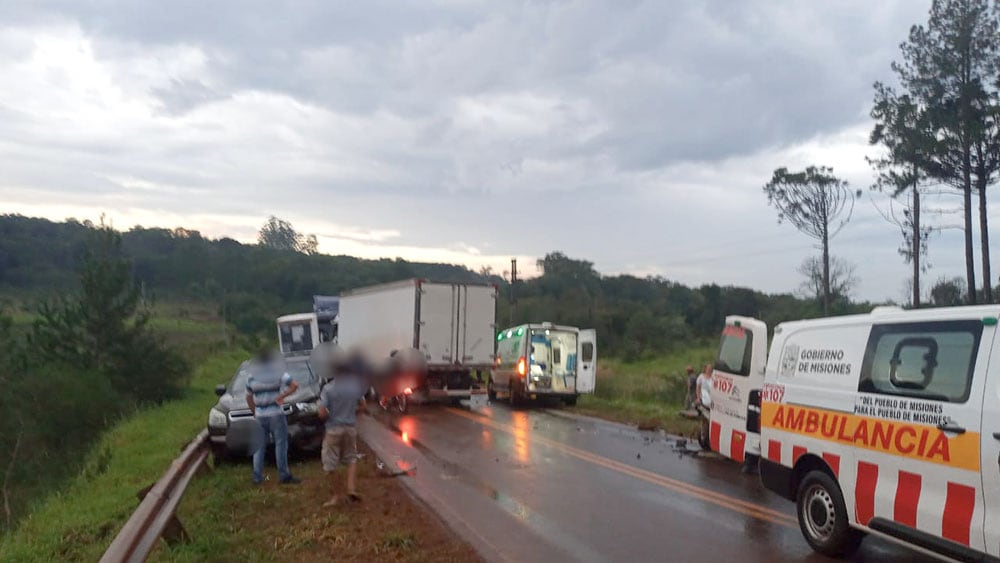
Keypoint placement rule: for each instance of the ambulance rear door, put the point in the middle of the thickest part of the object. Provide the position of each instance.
(919, 463)
(736, 383)
(991, 453)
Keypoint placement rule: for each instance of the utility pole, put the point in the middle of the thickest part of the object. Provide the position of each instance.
(513, 285)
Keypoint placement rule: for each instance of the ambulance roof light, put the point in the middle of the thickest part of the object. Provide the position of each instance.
(989, 321)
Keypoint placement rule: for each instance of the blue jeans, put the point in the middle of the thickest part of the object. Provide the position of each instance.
(277, 427)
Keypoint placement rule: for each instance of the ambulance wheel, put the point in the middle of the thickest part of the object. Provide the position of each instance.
(823, 516)
(704, 437)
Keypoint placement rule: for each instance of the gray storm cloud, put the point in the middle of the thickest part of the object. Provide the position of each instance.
(635, 134)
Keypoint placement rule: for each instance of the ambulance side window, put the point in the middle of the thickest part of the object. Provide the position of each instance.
(932, 360)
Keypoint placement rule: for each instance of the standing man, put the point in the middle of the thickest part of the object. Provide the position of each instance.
(692, 388)
(338, 405)
(267, 388)
(703, 386)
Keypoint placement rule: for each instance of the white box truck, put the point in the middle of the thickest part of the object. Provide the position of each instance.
(450, 324)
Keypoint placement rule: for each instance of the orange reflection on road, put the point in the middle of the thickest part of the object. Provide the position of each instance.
(407, 429)
(522, 438)
(487, 440)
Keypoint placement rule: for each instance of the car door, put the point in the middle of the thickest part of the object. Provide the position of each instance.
(586, 371)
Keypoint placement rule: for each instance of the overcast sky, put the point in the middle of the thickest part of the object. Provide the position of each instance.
(634, 134)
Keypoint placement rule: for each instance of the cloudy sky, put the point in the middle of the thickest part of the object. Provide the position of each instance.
(636, 134)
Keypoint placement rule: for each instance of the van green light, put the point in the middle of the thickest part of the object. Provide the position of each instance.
(989, 321)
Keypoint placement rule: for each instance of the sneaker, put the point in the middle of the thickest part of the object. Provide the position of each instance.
(355, 497)
(291, 481)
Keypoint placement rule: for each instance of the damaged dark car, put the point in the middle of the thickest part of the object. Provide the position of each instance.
(231, 426)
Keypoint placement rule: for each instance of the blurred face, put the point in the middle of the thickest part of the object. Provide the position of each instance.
(708, 370)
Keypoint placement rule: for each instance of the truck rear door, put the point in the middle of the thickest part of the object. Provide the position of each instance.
(736, 380)
(586, 371)
(438, 322)
(476, 324)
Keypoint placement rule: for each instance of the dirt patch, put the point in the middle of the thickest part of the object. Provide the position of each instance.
(289, 523)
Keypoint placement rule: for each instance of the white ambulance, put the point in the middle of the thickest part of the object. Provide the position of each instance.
(887, 424)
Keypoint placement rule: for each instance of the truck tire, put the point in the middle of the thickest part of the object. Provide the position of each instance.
(570, 401)
(823, 517)
(513, 395)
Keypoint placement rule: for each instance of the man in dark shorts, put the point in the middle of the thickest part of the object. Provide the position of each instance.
(338, 404)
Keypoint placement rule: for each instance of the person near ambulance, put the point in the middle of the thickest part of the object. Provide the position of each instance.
(703, 387)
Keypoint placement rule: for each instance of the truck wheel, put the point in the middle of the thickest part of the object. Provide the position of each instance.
(513, 397)
(570, 401)
(823, 516)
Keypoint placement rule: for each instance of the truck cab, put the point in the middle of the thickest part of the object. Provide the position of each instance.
(298, 334)
(544, 360)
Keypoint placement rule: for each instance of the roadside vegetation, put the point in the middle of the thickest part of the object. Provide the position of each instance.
(72, 365)
(77, 522)
(648, 393)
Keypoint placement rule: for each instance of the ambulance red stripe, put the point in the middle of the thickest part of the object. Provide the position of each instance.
(714, 436)
(864, 492)
(907, 497)
(737, 446)
(833, 460)
(774, 451)
(958, 507)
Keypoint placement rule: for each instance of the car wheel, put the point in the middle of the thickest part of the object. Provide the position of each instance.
(220, 455)
(823, 516)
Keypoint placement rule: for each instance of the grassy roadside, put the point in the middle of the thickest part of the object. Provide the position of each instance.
(79, 521)
(231, 520)
(649, 393)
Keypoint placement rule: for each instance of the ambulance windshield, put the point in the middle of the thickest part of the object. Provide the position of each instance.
(734, 351)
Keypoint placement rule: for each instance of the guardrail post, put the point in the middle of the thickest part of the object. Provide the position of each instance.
(173, 530)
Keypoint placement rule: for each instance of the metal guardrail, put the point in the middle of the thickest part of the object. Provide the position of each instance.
(155, 517)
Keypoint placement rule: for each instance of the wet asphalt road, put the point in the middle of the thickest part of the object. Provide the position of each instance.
(600, 491)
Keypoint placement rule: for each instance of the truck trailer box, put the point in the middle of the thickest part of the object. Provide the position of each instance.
(451, 324)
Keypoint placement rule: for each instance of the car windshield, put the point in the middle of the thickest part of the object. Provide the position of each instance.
(299, 370)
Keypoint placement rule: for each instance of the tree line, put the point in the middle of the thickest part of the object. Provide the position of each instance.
(88, 358)
(938, 131)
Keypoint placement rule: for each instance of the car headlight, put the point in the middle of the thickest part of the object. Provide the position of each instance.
(217, 418)
(307, 408)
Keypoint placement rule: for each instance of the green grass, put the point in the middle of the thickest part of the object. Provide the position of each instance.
(649, 393)
(77, 522)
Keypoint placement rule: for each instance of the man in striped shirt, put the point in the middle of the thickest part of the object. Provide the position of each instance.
(267, 388)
